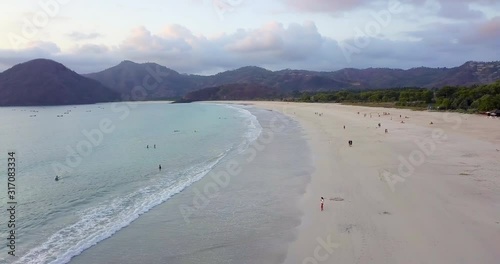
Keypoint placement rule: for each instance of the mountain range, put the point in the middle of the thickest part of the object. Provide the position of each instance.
(45, 82)
(236, 91)
(127, 75)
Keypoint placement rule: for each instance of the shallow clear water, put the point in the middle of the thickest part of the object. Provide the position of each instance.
(108, 177)
(247, 216)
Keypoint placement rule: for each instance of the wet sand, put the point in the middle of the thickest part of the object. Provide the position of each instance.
(244, 211)
(421, 193)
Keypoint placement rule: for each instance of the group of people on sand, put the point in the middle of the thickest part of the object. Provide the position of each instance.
(322, 200)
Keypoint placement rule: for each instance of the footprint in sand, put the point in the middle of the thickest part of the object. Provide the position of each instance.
(346, 228)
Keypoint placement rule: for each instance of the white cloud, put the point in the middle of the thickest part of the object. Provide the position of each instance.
(275, 46)
(75, 35)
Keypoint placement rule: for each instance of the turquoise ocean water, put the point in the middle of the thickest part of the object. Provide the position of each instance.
(108, 176)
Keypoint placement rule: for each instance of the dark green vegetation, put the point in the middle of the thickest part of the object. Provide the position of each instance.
(160, 82)
(242, 91)
(472, 99)
(46, 82)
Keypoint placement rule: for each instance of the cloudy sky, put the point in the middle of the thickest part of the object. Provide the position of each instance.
(209, 36)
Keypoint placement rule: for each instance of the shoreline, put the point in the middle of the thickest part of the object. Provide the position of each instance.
(242, 211)
(383, 204)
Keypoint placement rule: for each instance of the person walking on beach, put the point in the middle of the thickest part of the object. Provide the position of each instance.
(154, 146)
(322, 203)
(159, 167)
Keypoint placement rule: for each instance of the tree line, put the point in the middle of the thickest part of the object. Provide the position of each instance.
(473, 98)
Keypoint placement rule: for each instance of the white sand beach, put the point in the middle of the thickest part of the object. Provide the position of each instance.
(421, 193)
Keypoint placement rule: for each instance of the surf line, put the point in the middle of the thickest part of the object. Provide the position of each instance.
(221, 178)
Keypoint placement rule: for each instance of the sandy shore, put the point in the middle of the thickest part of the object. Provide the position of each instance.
(421, 193)
(243, 211)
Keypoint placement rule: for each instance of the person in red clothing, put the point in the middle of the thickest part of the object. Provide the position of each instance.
(322, 202)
